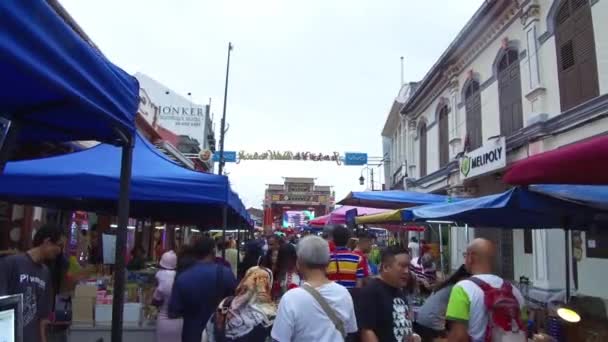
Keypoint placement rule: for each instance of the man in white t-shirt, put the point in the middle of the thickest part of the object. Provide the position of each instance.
(466, 309)
(300, 317)
(414, 247)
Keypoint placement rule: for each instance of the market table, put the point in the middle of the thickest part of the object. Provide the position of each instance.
(103, 333)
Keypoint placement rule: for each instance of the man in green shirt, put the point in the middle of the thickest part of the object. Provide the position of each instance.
(466, 309)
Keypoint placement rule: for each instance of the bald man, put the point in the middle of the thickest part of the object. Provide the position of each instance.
(466, 310)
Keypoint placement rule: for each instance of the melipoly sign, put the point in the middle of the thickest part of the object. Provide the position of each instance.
(490, 157)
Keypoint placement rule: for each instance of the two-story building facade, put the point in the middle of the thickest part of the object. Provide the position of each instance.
(394, 141)
(522, 77)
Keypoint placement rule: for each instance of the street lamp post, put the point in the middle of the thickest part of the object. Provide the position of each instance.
(223, 123)
(362, 179)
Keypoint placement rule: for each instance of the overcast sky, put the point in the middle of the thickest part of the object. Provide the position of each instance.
(313, 75)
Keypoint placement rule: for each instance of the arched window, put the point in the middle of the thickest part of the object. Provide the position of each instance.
(472, 101)
(444, 136)
(509, 90)
(576, 59)
(422, 145)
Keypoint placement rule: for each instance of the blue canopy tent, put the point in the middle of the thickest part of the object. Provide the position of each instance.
(57, 87)
(595, 196)
(160, 188)
(391, 199)
(515, 208)
(541, 206)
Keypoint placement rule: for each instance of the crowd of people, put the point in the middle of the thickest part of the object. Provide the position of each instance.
(320, 288)
(326, 288)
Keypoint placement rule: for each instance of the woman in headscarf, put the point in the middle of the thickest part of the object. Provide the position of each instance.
(248, 316)
(166, 329)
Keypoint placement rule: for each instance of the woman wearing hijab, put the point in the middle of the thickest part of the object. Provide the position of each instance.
(249, 315)
(166, 329)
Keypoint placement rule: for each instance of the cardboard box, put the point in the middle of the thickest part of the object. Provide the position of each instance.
(82, 309)
(131, 314)
(88, 291)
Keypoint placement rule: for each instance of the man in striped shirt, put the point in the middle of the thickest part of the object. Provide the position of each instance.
(424, 270)
(346, 267)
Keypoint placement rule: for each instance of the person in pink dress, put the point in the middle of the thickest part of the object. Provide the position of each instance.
(166, 329)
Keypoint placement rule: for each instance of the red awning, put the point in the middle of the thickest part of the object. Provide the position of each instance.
(585, 162)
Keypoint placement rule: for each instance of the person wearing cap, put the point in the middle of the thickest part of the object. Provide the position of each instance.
(167, 329)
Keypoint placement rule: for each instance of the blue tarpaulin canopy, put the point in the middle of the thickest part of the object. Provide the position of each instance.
(55, 84)
(392, 199)
(89, 179)
(595, 196)
(515, 208)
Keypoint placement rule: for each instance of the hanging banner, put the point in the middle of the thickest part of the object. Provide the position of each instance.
(289, 155)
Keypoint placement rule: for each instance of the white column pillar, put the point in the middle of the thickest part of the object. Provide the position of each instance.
(533, 90)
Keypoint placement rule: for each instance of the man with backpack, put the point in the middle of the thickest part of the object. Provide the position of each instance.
(484, 307)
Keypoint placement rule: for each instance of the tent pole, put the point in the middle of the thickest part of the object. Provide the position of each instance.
(224, 224)
(121, 240)
(567, 245)
(238, 248)
(10, 141)
(441, 247)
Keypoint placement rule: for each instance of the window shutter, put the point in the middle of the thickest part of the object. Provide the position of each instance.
(422, 142)
(444, 144)
(473, 110)
(509, 89)
(577, 63)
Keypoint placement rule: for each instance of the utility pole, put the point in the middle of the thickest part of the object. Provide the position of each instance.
(372, 178)
(402, 78)
(223, 123)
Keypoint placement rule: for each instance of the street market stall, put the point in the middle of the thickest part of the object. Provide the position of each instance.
(539, 207)
(391, 199)
(161, 190)
(58, 87)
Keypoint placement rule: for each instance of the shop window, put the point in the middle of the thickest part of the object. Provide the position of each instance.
(528, 241)
(472, 98)
(577, 61)
(597, 243)
(509, 90)
(444, 137)
(422, 144)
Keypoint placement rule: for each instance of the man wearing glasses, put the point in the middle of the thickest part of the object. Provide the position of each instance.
(27, 274)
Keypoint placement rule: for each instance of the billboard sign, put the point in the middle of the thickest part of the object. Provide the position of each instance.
(229, 156)
(491, 157)
(355, 159)
(178, 115)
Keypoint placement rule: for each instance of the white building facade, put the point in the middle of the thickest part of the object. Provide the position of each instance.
(522, 77)
(394, 147)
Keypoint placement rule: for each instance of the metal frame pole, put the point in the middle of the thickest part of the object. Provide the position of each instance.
(223, 123)
(441, 247)
(224, 224)
(121, 240)
(567, 245)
